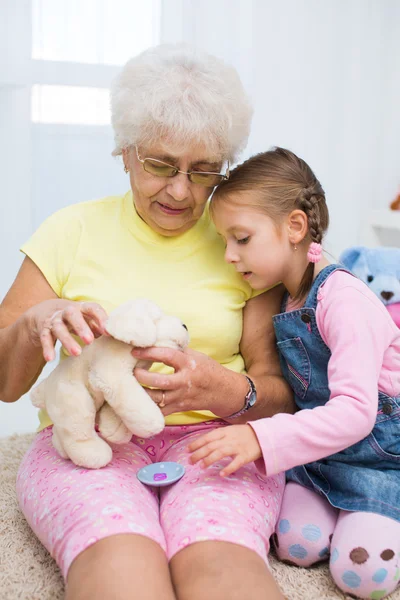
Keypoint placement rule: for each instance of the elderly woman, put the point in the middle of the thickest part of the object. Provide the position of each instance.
(180, 118)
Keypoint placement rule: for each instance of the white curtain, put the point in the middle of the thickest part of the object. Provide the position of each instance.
(57, 59)
(324, 77)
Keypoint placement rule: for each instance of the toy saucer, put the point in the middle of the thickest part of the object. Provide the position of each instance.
(161, 473)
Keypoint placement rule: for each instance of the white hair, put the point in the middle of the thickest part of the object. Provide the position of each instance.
(178, 94)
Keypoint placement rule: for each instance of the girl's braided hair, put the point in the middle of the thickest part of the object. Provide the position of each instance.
(281, 182)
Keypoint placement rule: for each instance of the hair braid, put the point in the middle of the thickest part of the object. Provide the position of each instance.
(310, 200)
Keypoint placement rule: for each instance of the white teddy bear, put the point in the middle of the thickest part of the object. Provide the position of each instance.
(100, 380)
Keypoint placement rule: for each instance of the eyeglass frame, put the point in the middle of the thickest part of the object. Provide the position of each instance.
(224, 177)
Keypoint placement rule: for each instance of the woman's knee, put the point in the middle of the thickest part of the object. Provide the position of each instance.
(217, 570)
(111, 568)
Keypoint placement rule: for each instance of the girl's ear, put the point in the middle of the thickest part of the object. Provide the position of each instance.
(297, 223)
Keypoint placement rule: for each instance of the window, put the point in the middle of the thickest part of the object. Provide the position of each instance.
(97, 35)
(70, 105)
(105, 32)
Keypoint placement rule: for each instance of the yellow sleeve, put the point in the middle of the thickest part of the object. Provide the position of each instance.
(255, 293)
(54, 245)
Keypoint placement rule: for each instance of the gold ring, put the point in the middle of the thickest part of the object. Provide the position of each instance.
(162, 403)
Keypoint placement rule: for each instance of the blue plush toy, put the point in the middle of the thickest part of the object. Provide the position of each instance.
(379, 268)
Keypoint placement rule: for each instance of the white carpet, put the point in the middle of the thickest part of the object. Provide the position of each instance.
(27, 571)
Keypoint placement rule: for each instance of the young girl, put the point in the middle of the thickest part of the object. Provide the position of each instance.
(340, 352)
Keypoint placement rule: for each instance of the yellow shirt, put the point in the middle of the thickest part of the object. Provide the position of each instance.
(102, 251)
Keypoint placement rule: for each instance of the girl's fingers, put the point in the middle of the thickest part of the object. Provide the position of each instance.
(199, 454)
(233, 466)
(205, 439)
(208, 449)
(215, 456)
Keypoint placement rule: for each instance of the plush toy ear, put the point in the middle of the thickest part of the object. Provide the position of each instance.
(136, 331)
(350, 256)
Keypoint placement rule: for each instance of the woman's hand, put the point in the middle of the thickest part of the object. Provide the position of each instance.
(54, 320)
(199, 382)
(237, 441)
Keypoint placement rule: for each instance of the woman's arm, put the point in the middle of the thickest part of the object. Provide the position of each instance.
(21, 356)
(32, 318)
(258, 348)
(200, 383)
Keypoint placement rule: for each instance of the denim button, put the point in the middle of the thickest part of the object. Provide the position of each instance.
(387, 409)
(306, 318)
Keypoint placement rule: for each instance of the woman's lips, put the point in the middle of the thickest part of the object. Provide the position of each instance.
(168, 210)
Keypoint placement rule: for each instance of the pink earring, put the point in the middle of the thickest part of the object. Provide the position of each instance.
(295, 247)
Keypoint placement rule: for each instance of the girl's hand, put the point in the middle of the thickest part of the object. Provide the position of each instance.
(238, 441)
(198, 383)
(54, 320)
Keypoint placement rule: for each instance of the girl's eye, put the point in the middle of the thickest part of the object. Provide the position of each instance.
(244, 240)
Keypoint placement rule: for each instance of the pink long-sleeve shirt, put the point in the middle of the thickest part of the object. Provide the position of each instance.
(365, 357)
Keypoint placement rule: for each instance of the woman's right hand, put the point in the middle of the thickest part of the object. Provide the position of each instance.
(53, 320)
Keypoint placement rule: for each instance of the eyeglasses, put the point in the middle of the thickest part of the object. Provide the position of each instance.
(161, 169)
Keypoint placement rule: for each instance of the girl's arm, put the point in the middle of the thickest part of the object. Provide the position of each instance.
(358, 331)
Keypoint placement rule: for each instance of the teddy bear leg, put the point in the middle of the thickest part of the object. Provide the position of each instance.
(75, 428)
(135, 407)
(57, 443)
(86, 449)
(111, 426)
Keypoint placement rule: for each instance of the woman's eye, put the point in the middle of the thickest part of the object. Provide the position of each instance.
(243, 240)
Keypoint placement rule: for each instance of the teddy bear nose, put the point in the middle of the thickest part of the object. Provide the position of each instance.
(183, 325)
(387, 295)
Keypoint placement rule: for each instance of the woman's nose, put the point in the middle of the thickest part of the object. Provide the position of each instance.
(178, 187)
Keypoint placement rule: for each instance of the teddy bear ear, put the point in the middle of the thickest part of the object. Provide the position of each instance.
(349, 257)
(136, 331)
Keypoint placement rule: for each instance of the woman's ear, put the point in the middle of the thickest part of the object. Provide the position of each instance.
(125, 157)
(297, 224)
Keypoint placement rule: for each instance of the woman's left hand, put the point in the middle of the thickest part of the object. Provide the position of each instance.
(199, 382)
(238, 441)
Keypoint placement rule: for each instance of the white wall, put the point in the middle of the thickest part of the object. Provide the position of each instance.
(325, 81)
(324, 78)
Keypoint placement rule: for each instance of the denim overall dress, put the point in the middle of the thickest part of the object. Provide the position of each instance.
(365, 476)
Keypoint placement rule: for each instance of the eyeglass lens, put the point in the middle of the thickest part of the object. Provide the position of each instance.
(160, 169)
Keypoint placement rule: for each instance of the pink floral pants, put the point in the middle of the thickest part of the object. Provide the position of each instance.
(69, 508)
